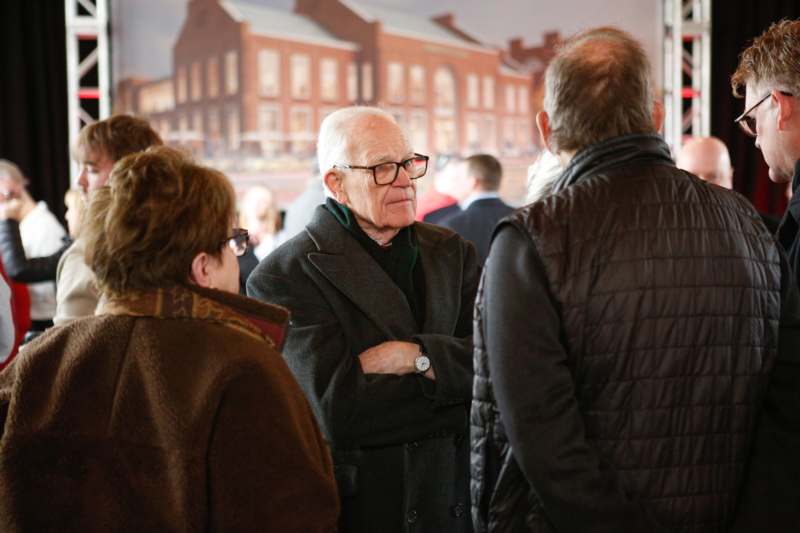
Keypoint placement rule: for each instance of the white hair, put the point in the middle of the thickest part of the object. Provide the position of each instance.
(336, 132)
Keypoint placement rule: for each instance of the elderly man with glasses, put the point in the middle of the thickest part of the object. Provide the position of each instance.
(381, 331)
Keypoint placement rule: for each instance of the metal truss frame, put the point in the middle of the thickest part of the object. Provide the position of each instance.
(87, 22)
(687, 70)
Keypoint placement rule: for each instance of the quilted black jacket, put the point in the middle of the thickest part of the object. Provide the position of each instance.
(625, 328)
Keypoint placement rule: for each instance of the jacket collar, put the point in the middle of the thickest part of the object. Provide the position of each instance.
(611, 153)
(794, 203)
(254, 318)
(345, 263)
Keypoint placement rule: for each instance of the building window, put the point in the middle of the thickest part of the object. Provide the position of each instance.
(183, 127)
(473, 92)
(417, 84)
(488, 92)
(301, 76)
(233, 128)
(214, 129)
(418, 130)
(509, 135)
(395, 82)
(444, 130)
(323, 112)
(524, 133)
(329, 80)
(489, 133)
(301, 130)
(232, 75)
(181, 96)
(212, 72)
(474, 133)
(197, 76)
(524, 100)
(352, 83)
(269, 128)
(197, 125)
(366, 82)
(444, 86)
(269, 73)
(511, 98)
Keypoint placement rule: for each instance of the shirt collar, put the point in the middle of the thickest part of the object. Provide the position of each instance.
(474, 197)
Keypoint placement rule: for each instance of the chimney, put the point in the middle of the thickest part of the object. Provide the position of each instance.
(516, 48)
(447, 20)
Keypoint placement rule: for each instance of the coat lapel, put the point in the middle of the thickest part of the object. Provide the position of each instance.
(343, 262)
(442, 268)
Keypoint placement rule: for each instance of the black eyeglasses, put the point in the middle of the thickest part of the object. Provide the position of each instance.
(237, 241)
(748, 122)
(386, 173)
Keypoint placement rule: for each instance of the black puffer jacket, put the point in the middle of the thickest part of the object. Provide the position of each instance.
(625, 328)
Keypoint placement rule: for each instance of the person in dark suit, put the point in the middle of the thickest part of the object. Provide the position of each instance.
(481, 206)
(380, 336)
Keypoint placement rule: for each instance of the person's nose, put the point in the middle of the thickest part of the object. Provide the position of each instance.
(83, 180)
(403, 179)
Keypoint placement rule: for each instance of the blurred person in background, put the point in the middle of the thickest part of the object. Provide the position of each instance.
(98, 147)
(37, 269)
(708, 159)
(476, 187)
(259, 214)
(438, 203)
(171, 408)
(31, 223)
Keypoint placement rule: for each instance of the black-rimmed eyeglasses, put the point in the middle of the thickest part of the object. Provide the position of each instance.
(747, 122)
(237, 241)
(386, 173)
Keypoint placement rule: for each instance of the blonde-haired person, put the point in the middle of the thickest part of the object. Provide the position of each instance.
(99, 146)
(25, 269)
(171, 409)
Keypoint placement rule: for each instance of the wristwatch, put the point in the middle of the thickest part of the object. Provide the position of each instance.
(422, 363)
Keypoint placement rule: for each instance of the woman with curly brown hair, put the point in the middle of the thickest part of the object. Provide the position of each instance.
(171, 408)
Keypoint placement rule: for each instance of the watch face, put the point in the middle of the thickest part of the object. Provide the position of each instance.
(422, 363)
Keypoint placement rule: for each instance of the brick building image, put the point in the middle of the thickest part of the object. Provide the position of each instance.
(252, 83)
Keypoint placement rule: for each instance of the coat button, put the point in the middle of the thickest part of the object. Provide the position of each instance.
(412, 516)
(458, 510)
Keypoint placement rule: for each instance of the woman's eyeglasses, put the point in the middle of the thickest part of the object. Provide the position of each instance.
(237, 241)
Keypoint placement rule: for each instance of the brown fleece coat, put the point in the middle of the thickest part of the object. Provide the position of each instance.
(169, 411)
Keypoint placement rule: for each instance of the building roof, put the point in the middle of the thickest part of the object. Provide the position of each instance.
(507, 70)
(283, 24)
(407, 24)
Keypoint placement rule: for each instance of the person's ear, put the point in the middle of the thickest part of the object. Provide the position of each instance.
(201, 273)
(545, 133)
(658, 115)
(785, 105)
(334, 183)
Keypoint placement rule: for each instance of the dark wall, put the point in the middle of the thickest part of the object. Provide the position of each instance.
(735, 24)
(33, 95)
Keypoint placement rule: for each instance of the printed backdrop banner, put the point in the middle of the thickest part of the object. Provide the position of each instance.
(244, 84)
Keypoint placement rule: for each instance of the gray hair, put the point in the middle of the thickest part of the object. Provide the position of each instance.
(598, 87)
(9, 170)
(334, 144)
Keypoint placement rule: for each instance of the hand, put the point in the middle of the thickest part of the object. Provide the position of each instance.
(391, 357)
(11, 209)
